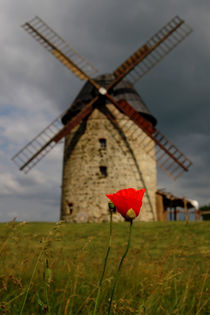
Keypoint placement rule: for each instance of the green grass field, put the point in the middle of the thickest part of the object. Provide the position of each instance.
(55, 269)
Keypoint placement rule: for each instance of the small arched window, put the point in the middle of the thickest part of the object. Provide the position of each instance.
(103, 170)
(70, 204)
(102, 142)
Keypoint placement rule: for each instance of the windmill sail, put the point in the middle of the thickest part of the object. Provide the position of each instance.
(50, 40)
(45, 141)
(153, 51)
(168, 156)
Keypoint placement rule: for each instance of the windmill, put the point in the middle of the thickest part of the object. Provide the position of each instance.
(111, 141)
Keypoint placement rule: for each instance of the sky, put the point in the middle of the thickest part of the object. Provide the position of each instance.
(35, 88)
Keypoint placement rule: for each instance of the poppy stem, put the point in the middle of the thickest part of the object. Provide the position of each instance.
(119, 268)
(105, 263)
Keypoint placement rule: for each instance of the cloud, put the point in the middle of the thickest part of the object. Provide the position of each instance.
(9, 185)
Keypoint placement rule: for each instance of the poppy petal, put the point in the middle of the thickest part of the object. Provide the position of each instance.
(126, 199)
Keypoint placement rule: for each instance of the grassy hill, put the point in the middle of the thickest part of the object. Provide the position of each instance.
(55, 269)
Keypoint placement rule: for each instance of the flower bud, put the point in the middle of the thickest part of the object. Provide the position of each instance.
(112, 207)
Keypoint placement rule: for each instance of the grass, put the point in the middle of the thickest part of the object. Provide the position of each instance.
(55, 268)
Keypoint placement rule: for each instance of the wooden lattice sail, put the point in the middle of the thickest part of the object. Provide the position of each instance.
(58, 47)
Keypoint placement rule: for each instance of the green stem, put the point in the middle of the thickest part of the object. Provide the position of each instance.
(46, 282)
(119, 268)
(33, 273)
(104, 268)
(47, 299)
(32, 276)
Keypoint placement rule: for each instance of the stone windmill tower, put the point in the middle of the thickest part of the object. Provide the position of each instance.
(111, 141)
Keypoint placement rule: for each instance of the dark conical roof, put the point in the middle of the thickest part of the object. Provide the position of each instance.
(123, 90)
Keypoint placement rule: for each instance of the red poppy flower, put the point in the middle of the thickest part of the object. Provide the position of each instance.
(128, 202)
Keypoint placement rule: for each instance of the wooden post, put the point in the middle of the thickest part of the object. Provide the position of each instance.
(171, 214)
(186, 211)
(175, 217)
(197, 215)
(160, 208)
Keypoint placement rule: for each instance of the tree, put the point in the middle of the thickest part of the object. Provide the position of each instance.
(205, 211)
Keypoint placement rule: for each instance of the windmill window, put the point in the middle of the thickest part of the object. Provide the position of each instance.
(102, 142)
(70, 207)
(103, 170)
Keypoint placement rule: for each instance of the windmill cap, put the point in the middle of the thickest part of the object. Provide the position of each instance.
(123, 90)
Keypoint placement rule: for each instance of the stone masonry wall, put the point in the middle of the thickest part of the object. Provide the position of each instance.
(127, 163)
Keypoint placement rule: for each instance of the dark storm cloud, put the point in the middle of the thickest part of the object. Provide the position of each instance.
(106, 33)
